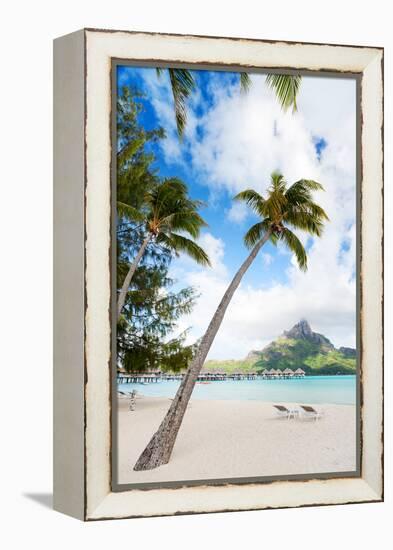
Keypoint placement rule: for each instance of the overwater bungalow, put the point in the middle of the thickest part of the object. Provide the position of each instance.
(124, 377)
(299, 372)
(237, 375)
(288, 373)
(211, 376)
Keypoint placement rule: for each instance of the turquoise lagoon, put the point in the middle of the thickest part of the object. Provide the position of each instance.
(338, 390)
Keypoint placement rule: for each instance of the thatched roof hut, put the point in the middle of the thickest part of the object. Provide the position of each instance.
(300, 372)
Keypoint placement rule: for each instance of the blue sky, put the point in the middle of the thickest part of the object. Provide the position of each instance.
(234, 141)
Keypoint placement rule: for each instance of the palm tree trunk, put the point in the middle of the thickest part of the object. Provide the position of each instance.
(159, 449)
(127, 281)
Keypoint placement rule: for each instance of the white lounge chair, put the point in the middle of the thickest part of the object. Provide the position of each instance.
(284, 412)
(308, 412)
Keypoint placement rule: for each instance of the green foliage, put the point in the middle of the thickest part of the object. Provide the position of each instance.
(285, 208)
(314, 359)
(135, 175)
(144, 201)
(152, 308)
(150, 314)
(170, 214)
(229, 366)
(294, 244)
(286, 88)
(245, 82)
(333, 362)
(182, 84)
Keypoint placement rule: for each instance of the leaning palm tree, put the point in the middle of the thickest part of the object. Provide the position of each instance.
(286, 88)
(167, 215)
(282, 211)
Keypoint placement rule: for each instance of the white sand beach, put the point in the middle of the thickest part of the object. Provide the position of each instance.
(225, 439)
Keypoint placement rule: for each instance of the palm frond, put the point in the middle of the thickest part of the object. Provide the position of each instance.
(188, 221)
(295, 246)
(164, 196)
(317, 211)
(256, 232)
(275, 205)
(182, 83)
(302, 189)
(305, 222)
(253, 199)
(245, 82)
(286, 88)
(282, 207)
(302, 212)
(312, 185)
(179, 243)
(307, 216)
(129, 150)
(127, 211)
(174, 184)
(169, 190)
(278, 182)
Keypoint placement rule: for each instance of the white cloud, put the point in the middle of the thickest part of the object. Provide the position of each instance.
(238, 212)
(215, 250)
(247, 137)
(244, 139)
(266, 258)
(258, 315)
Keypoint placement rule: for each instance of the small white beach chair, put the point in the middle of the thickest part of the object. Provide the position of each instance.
(284, 412)
(308, 412)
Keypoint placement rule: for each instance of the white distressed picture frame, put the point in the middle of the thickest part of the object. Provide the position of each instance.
(82, 241)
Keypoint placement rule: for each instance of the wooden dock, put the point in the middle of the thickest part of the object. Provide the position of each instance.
(142, 378)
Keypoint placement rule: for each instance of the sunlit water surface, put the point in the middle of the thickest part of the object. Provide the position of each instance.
(310, 389)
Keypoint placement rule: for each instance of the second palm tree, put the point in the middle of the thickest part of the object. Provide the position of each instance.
(168, 214)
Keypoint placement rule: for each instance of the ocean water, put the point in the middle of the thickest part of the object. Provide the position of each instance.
(310, 389)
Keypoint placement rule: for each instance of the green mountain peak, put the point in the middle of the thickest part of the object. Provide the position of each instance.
(301, 347)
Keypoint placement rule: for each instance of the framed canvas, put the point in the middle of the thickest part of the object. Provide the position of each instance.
(218, 263)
